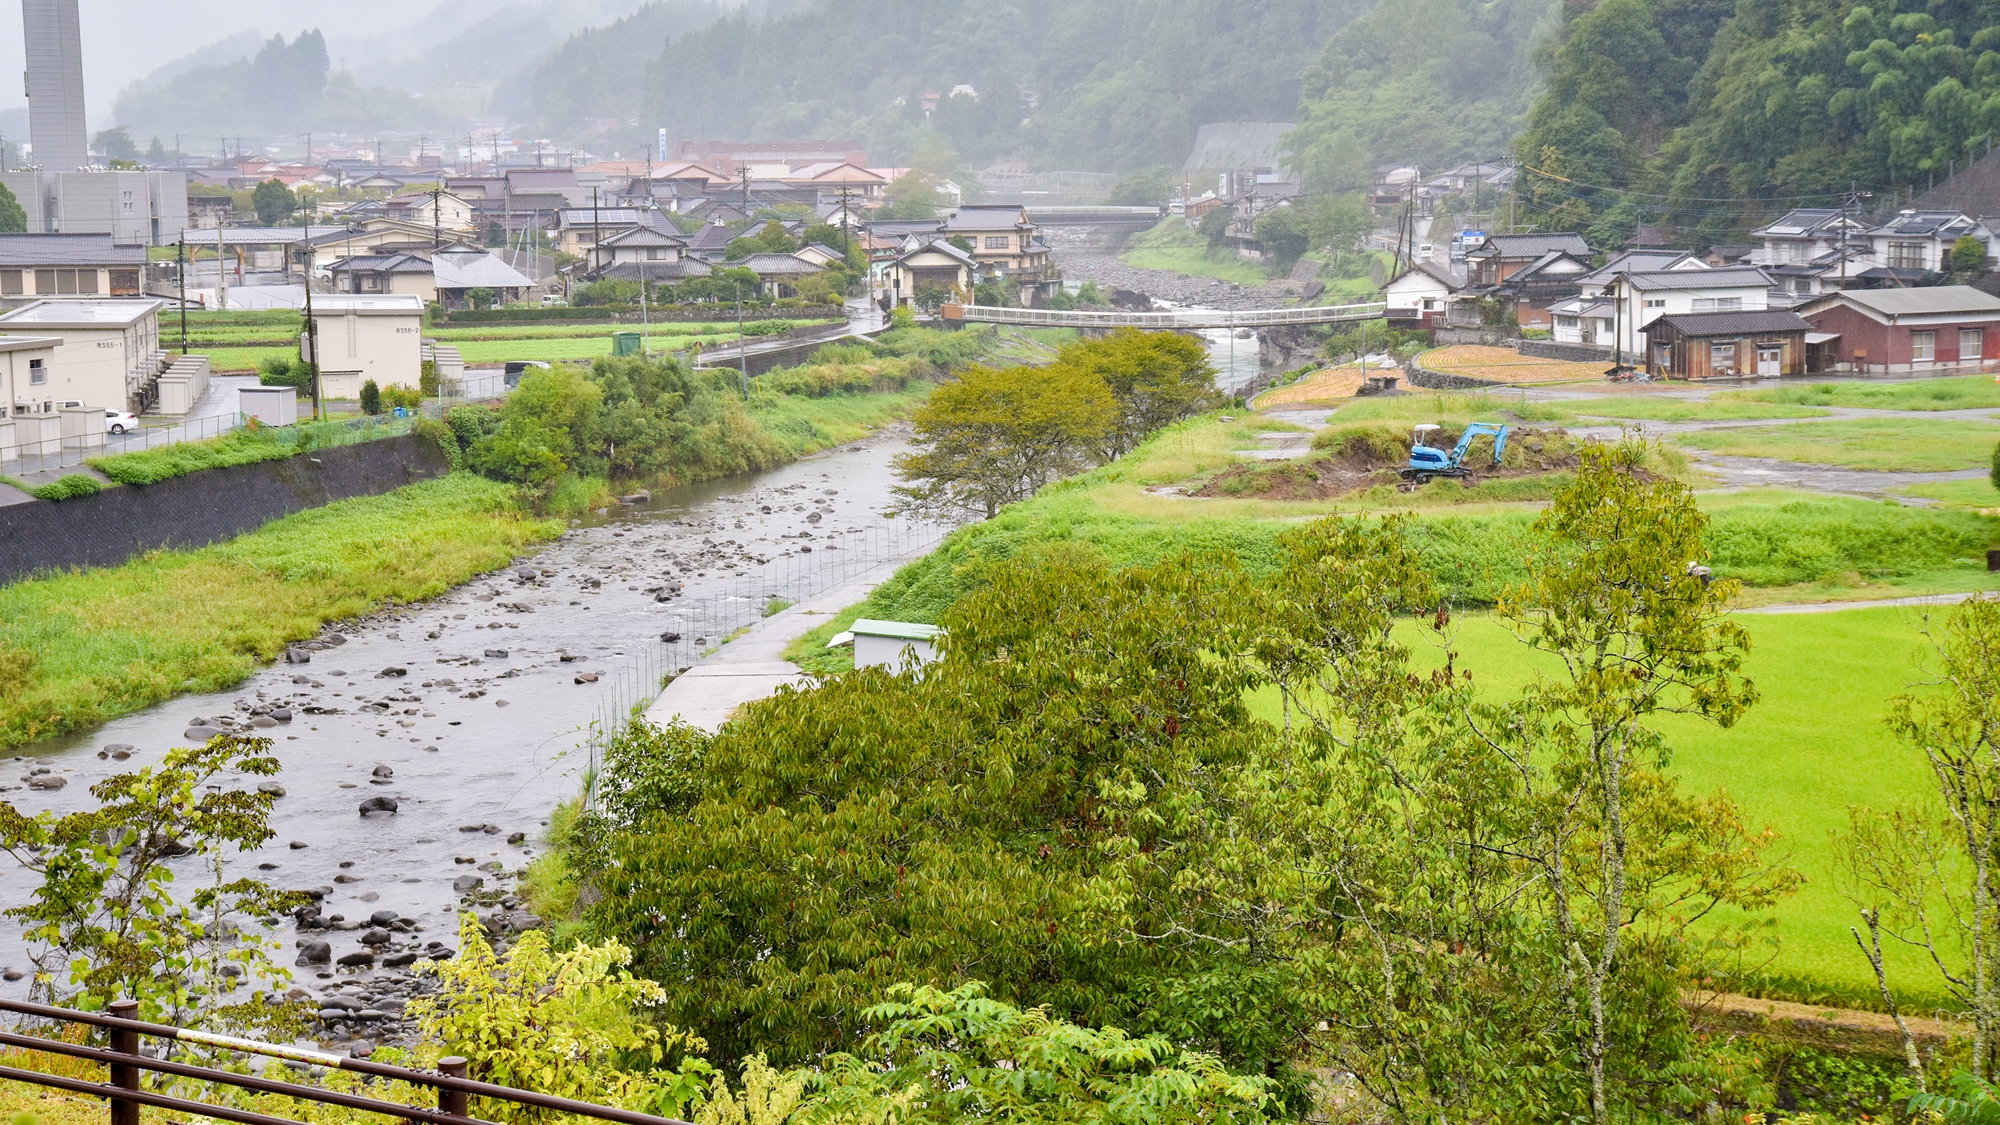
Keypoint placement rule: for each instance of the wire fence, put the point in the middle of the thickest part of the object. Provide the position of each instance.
(697, 623)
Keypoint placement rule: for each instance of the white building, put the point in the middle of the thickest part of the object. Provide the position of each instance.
(1642, 296)
(365, 336)
(26, 363)
(1591, 317)
(134, 208)
(107, 353)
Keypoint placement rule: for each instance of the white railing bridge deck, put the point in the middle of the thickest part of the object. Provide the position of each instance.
(1175, 318)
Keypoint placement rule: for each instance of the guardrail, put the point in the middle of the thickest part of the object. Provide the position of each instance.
(126, 1093)
(1176, 318)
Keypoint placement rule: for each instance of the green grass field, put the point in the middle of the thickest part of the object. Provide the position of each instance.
(1171, 246)
(1658, 408)
(1976, 493)
(85, 646)
(1890, 444)
(1956, 392)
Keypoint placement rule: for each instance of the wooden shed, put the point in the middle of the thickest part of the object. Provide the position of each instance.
(1727, 344)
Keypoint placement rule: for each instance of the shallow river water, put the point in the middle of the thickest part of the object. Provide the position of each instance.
(480, 735)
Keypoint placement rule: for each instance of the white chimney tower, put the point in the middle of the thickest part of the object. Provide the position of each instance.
(55, 85)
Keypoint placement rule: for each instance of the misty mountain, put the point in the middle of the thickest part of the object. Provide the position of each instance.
(1090, 84)
(283, 90)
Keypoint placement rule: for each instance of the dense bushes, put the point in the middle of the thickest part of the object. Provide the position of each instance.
(150, 466)
(68, 487)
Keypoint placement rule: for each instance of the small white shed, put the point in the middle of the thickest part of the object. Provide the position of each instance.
(883, 643)
(364, 336)
(273, 406)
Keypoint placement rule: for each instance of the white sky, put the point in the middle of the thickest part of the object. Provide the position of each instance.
(126, 39)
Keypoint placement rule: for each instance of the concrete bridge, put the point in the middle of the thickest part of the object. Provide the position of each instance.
(1174, 319)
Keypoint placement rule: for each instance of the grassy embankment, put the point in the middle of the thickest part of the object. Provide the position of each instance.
(1915, 444)
(1173, 247)
(81, 647)
(1955, 392)
(1813, 745)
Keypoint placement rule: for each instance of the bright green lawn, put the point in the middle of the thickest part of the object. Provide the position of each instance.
(806, 424)
(1657, 408)
(1975, 493)
(1812, 746)
(1957, 392)
(1171, 246)
(227, 361)
(1890, 444)
(549, 351)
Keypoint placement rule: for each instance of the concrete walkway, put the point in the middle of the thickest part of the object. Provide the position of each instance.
(1836, 607)
(752, 666)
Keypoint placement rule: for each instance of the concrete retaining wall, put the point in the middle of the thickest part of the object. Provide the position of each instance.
(1490, 337)
(1439, 381)
(203, 508)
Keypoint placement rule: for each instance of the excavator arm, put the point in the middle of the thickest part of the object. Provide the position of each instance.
(1498, 433)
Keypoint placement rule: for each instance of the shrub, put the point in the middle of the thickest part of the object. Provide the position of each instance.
(1994, 475)
(150, 466)
(67, 488)
(427, 378)
(409, 398)
(371, 398)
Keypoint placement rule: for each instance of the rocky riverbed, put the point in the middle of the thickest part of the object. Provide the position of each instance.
(1081, 253)
(425, 746)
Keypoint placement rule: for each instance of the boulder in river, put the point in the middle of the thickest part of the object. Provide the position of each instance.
(378, 806)
(496, 654)
(382, 917)
(399, 960)
(392, 671)
(271, 787)
(383, 771)
(466, 883)
(375, 937)
(351, 960)
(47, 781)
(297, 655)
(315, 953)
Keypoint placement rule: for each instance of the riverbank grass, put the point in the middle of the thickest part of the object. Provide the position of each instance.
(1957, 392)
(1171, 246)
(82, 647)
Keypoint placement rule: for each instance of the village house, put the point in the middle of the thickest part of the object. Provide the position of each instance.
(1938, 329)
(384, 273)
(1712, 345)
(1531, 292)
(1643, 296)
(1421, 297)
(69, 265)
(778, 274)
(461, 269)
(1501, 256)
(106, 351)
(1590, 317)
(365, 336)
(924, 264)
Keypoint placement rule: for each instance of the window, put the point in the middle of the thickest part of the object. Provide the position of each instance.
(1722, 357)
(997, 242)
(1656, 302)
(86, 281)
(1718, 304)
(10, 283)
(1923, 345)
(1906, 255)
(1566, 322)
(654, 253)
(45, 281)
(37, 374)
(123, 282)
(1971, 343)
(1801, 285)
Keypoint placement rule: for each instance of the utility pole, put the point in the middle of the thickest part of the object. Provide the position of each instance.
(437, 219)
(596, 230)
(742, 357)
(846, 194)
(312, 325)
(745, 170)
(180, 263)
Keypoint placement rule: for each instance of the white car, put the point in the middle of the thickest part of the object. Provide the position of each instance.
(119, 421)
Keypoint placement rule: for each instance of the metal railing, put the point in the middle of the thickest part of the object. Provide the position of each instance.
(127, 1061)
(1177, 318)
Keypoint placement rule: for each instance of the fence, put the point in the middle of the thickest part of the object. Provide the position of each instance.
(704, 621)
(1178, 318)
(128, 1062)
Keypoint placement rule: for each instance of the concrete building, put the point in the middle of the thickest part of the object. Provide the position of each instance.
(366, 336)
(26, 363)
(55, 85)
(1640, 297)
(69, 265)
(134, 208)
(887, 643)
(108, 357)
(1937, 330)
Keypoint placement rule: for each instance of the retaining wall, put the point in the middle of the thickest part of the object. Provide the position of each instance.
(1489, 337)
(1439, 381)
(203, 508)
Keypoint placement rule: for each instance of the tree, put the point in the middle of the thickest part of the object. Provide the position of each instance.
(1614, 596)
(769, 239)
(1286, 235)
(156, 153)
(480, 298)
(1145, 187)
(1929, 875)
(105, 916)
(1968, 255)
(371, 397)
(996, 435)
(914, 195)
(273, 202)
(1992, 474)
(13, 219)
(1158, 378)
(1214, 227)
(115, 144)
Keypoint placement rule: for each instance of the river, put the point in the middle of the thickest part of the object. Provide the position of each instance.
(481, 732)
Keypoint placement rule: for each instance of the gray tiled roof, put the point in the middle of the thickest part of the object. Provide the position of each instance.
(1724, 277)
(1732, 323)
(67, 250)
(1913, 302)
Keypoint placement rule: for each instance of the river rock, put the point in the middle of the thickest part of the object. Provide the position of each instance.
(392, 671)
(670, 638)
(271, 787)
(297, 655)
(517, 837)
(47, 781)
(496, 653)
(335, 639)
(361, 1049)
(399, 960)
(383, 917)
(315, 953)
(378, 806)
(375, 937)
(466, 883)
(360, 958)
(296, 845)
(586, 677)
(383, 771)
(200, 734)
(118, 750)
(282, 714)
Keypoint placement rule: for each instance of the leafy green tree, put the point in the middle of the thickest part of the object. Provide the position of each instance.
(914, 195)
(13, 220)
(115, 144)
(1993, 474)
(273, 202)
(1285, 233)
(1158, 378)
(993, 436)
(105, 919)
(480, 298)
(769, 239)
(1968, 255)
(1144, 187)
(156, 153)
(1214, 227)
(371, 397)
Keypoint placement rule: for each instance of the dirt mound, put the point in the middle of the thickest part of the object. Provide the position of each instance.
(1359, 460)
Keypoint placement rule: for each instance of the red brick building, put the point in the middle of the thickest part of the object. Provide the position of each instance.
(1903, 331)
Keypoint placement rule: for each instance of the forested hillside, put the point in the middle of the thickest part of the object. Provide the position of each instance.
(282, 89)
(1429, 81)
(1090, 84)
(1709, 114)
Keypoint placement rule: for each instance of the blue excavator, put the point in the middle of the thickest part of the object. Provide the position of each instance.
(1428, 461)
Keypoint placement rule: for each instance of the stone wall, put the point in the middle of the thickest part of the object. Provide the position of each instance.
(1489, 337)
(203, 508)
(1440, 381)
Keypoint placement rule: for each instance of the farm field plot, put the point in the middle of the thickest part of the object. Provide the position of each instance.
(1977, 494)
(1505, 365)
(1320, 386)
(1884, 444)
(1957, 392)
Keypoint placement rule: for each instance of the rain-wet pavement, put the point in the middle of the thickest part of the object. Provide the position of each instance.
(467, 715)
